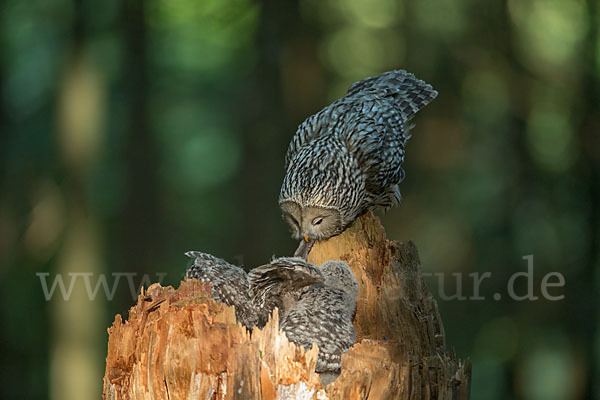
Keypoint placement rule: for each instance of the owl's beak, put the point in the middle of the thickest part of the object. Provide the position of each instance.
(304, 248)
(306, 238)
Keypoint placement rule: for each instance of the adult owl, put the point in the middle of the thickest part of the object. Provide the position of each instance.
(347, 158)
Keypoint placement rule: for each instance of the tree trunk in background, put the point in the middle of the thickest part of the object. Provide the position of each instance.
(75, 323)
(180, 344)
(589, 166)
(138, 226)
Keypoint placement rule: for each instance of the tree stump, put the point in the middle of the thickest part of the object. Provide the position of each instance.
(181, 344)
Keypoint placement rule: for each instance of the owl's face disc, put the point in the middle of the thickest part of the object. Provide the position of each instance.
(314, 223)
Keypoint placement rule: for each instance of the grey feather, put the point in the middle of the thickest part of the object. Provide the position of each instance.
(228, 283)
(323, 315)
(347, 158)
(317, 304)
(281, 283)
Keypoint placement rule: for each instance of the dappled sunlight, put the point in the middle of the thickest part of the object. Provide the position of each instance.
(77, 329)
(550, 31)
(549, 370)
(80, 118)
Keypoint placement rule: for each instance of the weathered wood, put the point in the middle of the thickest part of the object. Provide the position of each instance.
(180, 344)
(402, 349)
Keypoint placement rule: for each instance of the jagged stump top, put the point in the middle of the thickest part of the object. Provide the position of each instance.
(181, 344)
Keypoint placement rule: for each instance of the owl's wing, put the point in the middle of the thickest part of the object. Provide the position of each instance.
(382, 107)
(222, 275)
(376, 139)
(322, 317)
(228, 284)
(284, 277)
(383, 104)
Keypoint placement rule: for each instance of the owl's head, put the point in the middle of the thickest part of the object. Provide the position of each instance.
(311, 222)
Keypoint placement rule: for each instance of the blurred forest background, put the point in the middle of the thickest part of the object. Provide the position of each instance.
(132, 131)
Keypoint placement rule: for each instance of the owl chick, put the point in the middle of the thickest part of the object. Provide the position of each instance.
(319, 312)
(347, 158)
(281, 283)
(228, 284)
(316, 304)
(254, 295)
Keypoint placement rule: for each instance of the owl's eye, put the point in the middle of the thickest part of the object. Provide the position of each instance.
(317, 220)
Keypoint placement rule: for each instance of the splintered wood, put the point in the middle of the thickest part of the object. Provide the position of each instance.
(180, 344)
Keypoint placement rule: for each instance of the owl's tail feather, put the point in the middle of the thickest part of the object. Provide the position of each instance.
(408, 93)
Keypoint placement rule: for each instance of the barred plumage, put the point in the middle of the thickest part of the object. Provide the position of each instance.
(316, 304)
(228, 284)
(323, 315)
(281, 283)
(347, 158)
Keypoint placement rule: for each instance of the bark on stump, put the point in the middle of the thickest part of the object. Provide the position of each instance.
(180, 344)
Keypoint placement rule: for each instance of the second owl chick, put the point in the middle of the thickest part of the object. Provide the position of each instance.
(317, 305)
(323, 315)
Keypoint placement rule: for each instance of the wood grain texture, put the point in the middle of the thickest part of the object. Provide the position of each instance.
(180, 344)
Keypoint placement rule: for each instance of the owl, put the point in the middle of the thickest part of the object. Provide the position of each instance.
(347, 158)
(316, 304)
(281, 283)
(228, 284)
(254, 295)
